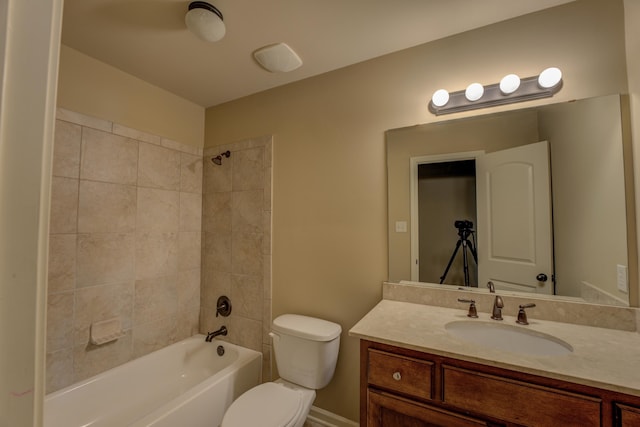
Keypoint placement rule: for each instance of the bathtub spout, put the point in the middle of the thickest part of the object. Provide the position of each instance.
(211, 335)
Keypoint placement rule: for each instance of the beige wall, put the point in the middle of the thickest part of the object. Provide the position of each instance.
(96, 89)
(329, 189)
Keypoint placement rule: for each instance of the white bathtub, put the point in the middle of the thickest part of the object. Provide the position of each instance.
(185, 384)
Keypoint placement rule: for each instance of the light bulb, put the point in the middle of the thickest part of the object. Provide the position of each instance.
(440, 98)
(509, 84)
(550, 77)
(474, 91)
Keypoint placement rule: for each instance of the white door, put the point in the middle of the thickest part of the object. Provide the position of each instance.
(515, 249)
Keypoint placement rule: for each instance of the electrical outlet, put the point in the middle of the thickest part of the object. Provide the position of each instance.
(623, 282)
(401, 226)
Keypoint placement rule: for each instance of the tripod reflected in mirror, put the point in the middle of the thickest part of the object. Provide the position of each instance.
(465, 230)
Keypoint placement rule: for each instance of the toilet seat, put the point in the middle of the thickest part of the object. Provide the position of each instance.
(267, 405)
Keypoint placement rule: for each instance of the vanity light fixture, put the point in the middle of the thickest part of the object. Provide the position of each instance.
(205, 21)
(511, 89)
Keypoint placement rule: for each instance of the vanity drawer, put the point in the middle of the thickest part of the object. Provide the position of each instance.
(403, 374)
(519, 402)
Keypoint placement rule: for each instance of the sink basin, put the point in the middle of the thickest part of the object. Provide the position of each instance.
(510, 338)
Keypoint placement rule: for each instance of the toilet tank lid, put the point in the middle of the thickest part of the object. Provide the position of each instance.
(306, 327)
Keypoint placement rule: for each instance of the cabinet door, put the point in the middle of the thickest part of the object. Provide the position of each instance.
(627, 416)
(386, 410)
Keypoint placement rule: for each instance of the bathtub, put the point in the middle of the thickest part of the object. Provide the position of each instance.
(184, 384)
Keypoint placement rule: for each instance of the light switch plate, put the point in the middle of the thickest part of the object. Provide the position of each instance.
(401, 226)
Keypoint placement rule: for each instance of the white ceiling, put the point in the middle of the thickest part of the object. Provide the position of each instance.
(148, 38)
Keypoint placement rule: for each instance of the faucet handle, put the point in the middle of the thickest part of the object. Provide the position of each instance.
(522, 315)
(473, 312)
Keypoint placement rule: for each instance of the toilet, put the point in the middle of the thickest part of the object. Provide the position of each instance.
(306, 352)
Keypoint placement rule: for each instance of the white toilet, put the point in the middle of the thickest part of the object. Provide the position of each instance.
(306, 352)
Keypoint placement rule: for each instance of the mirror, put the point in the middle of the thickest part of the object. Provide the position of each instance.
(591, 196)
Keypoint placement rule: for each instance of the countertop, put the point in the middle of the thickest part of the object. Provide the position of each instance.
(604, 358)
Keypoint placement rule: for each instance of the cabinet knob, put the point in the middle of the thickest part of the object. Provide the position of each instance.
(397, 376)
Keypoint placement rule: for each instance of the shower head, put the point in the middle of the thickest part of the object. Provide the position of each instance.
(218, 159)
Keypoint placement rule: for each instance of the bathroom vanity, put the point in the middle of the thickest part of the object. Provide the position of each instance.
(415, 372)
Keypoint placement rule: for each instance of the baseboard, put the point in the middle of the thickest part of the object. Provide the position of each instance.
(323, 418)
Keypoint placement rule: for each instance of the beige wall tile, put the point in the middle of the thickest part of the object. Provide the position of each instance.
(154, 335)
(59, 369)
(214, 285)
(189, 250)
(246, 332)
(158, 210)
(246, 254)
(66, 149)
(217, 251)
(217, 178)
(155, 299)
(246, 296)
(62, 262)
(190, 211)
(246, 211)
(84, 120)
(156, 254)
(191, 173)
(108, 158)
(248, 169)
(98, 303)
(266, 228)
(105, 207)
(159, 167)
(189, 290)
(60, 321)
(216, 215)
(135, 134)
(188, 323)
(105, 258)
(64, 205)
(92, 360)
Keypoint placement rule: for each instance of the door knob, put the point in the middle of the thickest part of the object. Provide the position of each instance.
(541, 277)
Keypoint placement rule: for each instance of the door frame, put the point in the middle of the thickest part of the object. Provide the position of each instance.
(414, 162)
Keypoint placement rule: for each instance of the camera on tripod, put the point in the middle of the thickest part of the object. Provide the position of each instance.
(465, 229)
(462, 224)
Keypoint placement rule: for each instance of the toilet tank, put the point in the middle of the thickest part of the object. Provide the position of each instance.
(306, 349)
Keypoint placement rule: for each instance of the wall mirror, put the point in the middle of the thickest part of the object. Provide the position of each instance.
(445, 191)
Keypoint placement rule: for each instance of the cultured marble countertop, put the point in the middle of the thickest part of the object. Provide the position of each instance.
(604, 358)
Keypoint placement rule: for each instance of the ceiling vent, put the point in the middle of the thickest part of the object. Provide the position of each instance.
(277, 58)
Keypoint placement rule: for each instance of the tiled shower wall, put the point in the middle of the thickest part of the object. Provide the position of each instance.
(125, 242)
(237, 243)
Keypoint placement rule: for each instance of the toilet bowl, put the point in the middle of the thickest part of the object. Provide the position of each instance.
(273, 404)
(306, 353)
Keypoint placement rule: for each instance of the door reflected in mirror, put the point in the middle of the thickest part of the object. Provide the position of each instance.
(462, 170)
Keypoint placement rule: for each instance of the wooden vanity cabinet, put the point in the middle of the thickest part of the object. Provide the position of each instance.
(407, 388)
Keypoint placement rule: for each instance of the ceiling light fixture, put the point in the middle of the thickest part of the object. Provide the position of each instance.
(511, 89)
(277, 58)
(205, 21)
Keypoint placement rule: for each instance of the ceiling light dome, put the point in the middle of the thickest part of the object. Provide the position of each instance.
(205, 21)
